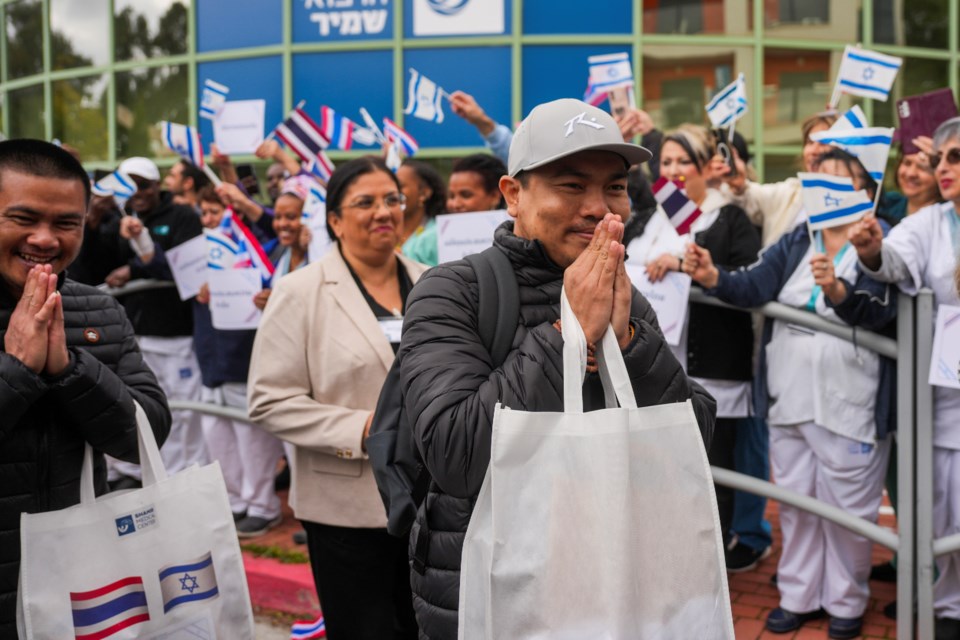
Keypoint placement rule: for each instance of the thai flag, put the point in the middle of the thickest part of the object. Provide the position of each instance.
(610, 71)
(424, 98)
(681, 210)
(336, 128)
(118, 185)
(189, 582)
(393, 132)
(103, 612)
(867, 73)
(302, 135)
(831, 200)
(308, 629)
(593, 95)
(320, 167)
(729, 105)
(183, 140)
(870, 145)
(213, 98)
(233, 246)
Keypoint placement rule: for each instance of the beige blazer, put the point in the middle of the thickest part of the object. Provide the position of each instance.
(319, 360)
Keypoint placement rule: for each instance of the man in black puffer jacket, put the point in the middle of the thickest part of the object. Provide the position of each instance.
(566, 191)
(70, 369)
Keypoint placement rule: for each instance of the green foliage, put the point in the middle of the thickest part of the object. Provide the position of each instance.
(286, 556)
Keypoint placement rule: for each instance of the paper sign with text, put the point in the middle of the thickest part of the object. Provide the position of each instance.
(231, 298)
(461, 234)
(188, 262)
(669, 298)
(238, 128)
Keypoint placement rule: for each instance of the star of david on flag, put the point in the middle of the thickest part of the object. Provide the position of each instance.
(608, 72)
(191, 581)
(865, 73)
(729, 104)
(424, 98)
(233, 246)
(831, 201)
(183, 140)
(212, 100)
(103, 612)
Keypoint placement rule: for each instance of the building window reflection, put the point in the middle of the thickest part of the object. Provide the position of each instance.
(77, 33)
(24, 25)
(144, 30)
(144, 98)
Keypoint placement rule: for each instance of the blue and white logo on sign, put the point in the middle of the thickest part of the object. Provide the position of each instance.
(447, 7)
(125, 525)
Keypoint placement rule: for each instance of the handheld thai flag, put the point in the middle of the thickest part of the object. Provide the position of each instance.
(102, 612)
(831, 201)
(320, 167)
(424, 98)
(183, 140)
(865, 73)
(212, 100)
(681, 210)
(610, 71)
(302, 135)
(593, 95)
(394, 133)
(118, 185)
(188, 582)
(729, 105)
(336, 128)
(233, 246)
(870, 145)
(308, 629)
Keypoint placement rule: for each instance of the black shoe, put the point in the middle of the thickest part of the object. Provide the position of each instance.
(252, 526)
(890, 610)
(124, 483)
(782, 621)
(884, 572)
(237, 517)
(300, 537)
(946, 629)
(844, 628)
(741, 557)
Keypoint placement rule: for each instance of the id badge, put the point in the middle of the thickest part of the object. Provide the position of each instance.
(392, 328)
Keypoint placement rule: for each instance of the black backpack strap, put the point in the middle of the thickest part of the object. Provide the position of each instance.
(499, 301)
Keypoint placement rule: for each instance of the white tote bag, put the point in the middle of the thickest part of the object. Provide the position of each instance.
(162, 562)
(599, 525)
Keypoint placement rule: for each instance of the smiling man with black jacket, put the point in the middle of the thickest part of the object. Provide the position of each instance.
(70, 369)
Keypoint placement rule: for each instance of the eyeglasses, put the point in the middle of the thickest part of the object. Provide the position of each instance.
(369, 203)
(952, 156)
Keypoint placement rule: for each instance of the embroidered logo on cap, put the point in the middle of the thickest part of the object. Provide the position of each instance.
(581, 119)
(91, 335)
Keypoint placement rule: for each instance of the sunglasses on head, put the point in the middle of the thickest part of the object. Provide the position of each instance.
(952, 157)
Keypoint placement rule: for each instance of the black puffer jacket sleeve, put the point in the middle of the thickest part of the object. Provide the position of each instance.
(451, 389)
(19, 388)
(99, 402)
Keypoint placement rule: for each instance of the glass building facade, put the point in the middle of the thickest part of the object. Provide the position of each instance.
(100, 74)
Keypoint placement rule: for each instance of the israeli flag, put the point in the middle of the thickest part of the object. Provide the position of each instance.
(119, 185)
(870, 145)
(608, 72)
(831, 201)
(212, 100)
(854, 118)
(867, 73)
(424, 98)
(316, 203)
(191, 581)
(729, 105)
(183, 140)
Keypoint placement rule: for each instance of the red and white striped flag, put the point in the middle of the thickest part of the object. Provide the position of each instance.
(681, 210)
(302, 135)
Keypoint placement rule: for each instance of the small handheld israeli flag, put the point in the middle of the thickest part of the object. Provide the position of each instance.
(831, 201)
(729, 105)
(870, 145)
(183, 140)
(213, 98)
(119, 185)
(424, 98)
(865, 73)
(315, 203)
(854, 118)
(394, 133)
(611, 71)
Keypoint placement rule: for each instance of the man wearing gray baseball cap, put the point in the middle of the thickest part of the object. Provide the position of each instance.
(566, 191)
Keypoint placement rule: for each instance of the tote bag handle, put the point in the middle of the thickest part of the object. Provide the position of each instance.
(613, 371)
(150, 461)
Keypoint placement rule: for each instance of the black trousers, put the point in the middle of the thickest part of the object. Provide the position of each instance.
(363, 581)
(721, 455)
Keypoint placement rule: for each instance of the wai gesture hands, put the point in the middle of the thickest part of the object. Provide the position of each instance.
(35, 335)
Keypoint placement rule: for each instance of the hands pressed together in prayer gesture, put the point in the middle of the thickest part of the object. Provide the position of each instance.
(597, 284)
(35, 335)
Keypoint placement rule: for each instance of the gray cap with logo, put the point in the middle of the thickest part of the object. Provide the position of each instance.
(557, 129)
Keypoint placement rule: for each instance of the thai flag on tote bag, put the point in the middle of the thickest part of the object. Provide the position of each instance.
(681, 210)
(103, 612)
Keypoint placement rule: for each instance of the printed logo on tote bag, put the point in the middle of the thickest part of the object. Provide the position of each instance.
(136, 521)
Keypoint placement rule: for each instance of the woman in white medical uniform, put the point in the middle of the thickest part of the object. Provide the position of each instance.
(922, 251)
(821, 401)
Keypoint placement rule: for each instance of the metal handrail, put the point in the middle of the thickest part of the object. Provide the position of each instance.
(136, 286)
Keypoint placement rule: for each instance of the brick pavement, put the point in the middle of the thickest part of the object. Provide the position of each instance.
(286, 587)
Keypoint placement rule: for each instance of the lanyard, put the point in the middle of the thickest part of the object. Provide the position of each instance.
(815, 294)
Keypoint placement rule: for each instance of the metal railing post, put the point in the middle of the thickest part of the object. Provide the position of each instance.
(906, 485)
(924, 464)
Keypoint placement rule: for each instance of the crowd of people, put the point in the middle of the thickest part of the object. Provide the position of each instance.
(772, 398)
